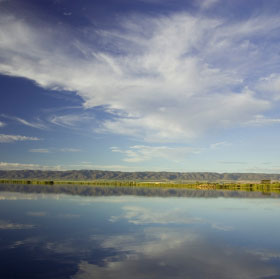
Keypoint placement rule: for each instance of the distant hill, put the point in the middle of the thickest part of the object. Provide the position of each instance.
(140, 176)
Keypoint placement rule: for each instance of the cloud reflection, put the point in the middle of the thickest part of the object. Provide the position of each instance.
(140, 215)
(37, 213)
(6, 225)
(165, 253)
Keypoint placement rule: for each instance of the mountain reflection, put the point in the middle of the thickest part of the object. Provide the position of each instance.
(136, 191)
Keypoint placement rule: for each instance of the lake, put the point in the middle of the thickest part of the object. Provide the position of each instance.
(105, 232)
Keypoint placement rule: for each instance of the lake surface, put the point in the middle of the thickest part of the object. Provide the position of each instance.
(137, 233)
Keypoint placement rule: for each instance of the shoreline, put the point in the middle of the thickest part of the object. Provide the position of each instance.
(237, 186)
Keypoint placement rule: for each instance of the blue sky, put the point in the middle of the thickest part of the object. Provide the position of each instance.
(140, 85)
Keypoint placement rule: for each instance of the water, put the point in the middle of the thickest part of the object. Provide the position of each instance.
(138, 233)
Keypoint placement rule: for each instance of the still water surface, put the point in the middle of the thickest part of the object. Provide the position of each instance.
(122, 234)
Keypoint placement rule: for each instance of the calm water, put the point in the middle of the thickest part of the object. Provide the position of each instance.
(136, 233)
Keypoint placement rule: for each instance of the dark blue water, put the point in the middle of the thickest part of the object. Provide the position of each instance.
(176, 235)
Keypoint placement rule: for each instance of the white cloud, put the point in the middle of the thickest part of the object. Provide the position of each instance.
(37, 125)
(205, 4)
(219, 144)
(270, 86)
(2, 124)
(39, 150)
(81, 166)
(70, 150)
(19, 166)
(69, 120)
(50, 150)
(258, 169)
(139, 153)
(233, 163)
(12, 138)
(174, 78)
(260, 120)
(92, 166)
(30, 124)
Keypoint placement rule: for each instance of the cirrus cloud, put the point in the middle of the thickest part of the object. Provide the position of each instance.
(13, 138)
(162, 79)
(139, 153)
(21, 166)
(39, 150)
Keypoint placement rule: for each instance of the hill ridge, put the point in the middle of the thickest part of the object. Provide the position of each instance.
(142, 176)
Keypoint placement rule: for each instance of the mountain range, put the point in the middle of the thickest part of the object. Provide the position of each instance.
(135, 176)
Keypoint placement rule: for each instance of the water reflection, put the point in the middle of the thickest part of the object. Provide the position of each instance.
(170, 254)
(128, 236)
(83, 190)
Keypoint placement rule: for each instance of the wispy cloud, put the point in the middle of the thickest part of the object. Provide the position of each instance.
(270, 85)
(219, 144)
(39, 150)
(110, 167)
(2, 124)
(177, 77)
(260, 120)
(139, 153)
(37, 125)
(13, 138)
(20, 166)
(30, 124)
(259, 169)
(205, 4)
(69, 120)
(70, 150)
(51, 150)
(233, 162)
(83, 165)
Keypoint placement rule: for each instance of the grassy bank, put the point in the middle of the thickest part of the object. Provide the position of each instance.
(252, 187)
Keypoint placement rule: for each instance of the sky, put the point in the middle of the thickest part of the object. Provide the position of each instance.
(142, 85)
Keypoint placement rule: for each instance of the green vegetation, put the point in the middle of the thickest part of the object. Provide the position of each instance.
(250, 187)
